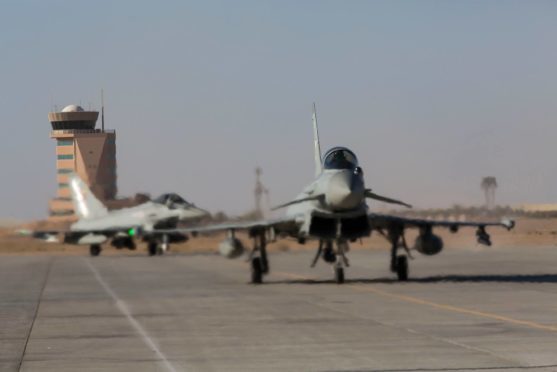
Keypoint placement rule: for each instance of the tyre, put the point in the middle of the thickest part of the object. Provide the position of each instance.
(402, 268)
(256, 270)
(329, 255)
(264, 266)
(95, 250)
(152, 249)
(339, 275)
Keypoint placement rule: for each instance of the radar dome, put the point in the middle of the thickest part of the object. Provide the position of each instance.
(73, 108)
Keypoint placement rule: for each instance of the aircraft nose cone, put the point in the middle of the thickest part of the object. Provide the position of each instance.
(345, 191)
(193, 212)
(200, 212)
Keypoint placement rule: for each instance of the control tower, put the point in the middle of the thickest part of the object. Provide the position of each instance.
(84, 150)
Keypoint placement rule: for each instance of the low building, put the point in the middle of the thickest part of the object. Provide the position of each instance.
(533, 208)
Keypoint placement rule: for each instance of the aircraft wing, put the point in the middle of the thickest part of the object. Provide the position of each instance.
(72, 236)
(379, 221)
(282, 225)
(46, 235)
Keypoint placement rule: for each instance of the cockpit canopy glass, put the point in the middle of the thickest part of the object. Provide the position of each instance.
(340, 158)
(172, 201)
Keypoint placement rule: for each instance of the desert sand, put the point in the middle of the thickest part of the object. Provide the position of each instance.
(527, 233)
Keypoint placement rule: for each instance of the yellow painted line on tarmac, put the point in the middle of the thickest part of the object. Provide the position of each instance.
(440, 306)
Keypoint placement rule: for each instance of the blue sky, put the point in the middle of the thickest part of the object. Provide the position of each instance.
(431, 95)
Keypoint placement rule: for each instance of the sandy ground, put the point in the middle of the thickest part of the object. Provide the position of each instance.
(528, 232)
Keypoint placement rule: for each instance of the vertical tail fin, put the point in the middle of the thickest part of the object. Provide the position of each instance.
(316, 145)
(85, 204)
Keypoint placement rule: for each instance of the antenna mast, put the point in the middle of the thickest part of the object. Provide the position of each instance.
(102, 110)
(260, 189)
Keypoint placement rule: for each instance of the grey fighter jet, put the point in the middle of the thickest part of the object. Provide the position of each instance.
(333, 210)
(96, 224)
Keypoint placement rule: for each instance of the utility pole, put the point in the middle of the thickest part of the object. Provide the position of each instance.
(259, 190)
(489, 185)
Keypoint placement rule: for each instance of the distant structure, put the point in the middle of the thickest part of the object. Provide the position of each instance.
(489, 185)
(84, 150)
(536, 208)
(259, 191)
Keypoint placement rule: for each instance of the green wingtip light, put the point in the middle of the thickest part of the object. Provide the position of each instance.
(131, 232)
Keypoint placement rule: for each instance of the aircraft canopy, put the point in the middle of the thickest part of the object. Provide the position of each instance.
(172, 200)
(340, 158)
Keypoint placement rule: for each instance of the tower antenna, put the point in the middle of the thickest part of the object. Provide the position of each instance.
(102, 109)
(260, 189)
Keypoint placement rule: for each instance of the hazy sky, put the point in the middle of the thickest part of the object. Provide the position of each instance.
(431, 95)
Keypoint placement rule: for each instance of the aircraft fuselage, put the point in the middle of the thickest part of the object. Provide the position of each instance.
(340, 211)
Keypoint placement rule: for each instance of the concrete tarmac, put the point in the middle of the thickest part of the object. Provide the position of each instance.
(463, 310)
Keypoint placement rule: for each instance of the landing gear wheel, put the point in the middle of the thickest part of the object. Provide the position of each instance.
(329, 256)
(160, 251)
(95, 250)
(256, 270)
(264, 266)
(402, 268)
(152, 248)
(339, 274)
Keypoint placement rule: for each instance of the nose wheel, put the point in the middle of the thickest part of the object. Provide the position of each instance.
(339, 274)
(256, 270)
(152, 248)
(336, 257)
(156, 247)
(402, 268)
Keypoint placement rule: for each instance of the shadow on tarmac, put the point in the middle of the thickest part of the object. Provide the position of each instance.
(514, 368)
(535, 278)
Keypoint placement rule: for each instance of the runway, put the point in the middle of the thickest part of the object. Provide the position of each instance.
(463, 310)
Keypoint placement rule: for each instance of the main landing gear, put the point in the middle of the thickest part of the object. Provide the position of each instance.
(399, 263)
(337, 258)
(95, 250)
(258, 258)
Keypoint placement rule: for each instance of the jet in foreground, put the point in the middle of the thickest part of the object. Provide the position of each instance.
(96, 224)
(333, 210)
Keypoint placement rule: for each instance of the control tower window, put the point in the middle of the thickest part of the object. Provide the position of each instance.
(340, 159)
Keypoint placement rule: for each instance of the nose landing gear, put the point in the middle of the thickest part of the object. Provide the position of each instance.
(337, 258)
(256, 270)
(158, 247)
(399, 263)
(339, 274)
(402, 268)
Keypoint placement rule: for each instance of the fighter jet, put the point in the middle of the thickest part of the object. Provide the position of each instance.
(333, 210)
(96, 224)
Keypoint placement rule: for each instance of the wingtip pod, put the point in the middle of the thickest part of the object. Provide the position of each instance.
(508, 223)
(24, 232)
(46, 236)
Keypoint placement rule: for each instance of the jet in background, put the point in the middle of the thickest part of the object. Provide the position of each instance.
(333, 210)
(97, 225)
